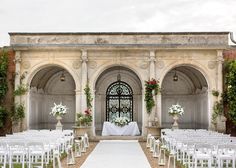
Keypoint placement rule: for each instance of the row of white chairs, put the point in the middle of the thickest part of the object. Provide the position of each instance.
(159, 151)
(200, 148)
(34, 147)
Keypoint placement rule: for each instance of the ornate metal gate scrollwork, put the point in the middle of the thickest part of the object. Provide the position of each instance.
(119, 101)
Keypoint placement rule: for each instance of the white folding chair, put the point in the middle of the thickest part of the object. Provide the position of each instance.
(3, 154)
(17, 153)
(203, 155)
(226, 153)
(36, 154)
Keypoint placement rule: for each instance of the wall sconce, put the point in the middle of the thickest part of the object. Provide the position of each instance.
(175, 77)
(62, 77)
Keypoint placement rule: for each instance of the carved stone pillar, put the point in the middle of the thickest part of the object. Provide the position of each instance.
(152, 74)
(93, 110)
(77, 102)
(221, 124)
(220, 61)
(152, 61)
(17, 72)
(84, 79)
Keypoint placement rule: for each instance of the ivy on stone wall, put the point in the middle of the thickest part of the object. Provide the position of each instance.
(230, 97)
(3, 74)
(3, 86)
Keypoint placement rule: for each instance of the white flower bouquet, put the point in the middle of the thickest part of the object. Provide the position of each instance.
(121, 121)
(58, 110)
(176, 109)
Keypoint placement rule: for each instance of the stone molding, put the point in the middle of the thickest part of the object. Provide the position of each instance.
(186, 39)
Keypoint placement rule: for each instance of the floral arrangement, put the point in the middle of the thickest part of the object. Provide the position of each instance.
(150, 86)
(121, 121)
(58, 110)
(176, 109)
(84, 118)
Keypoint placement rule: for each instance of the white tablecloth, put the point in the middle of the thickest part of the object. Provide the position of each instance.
(112, 129)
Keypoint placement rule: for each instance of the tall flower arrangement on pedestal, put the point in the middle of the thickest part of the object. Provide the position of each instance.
(176, 109)
(58, 110)
(151, 89)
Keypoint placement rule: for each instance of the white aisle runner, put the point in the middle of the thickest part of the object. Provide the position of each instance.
(117, 154)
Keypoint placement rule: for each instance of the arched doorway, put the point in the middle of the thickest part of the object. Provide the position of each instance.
(118, 92)
(188, 87)
(119, 101)
(52, 84)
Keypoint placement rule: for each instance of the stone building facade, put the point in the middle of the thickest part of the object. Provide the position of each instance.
(99, 58)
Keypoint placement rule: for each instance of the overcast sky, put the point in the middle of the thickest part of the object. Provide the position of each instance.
(115, 16)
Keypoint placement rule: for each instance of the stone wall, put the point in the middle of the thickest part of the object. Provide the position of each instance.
(9, 100)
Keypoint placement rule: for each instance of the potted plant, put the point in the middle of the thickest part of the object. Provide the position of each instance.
(84, 119)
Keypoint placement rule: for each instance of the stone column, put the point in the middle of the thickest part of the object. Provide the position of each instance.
(84, 79)
(221, 124)
(18, 73)
(93, 110)
(220, 61)
(152, 61)
(16, 127)
(152, 74)
(77, 102)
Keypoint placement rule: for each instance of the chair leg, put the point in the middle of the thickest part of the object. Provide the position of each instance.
(169, 161)
(174, 161)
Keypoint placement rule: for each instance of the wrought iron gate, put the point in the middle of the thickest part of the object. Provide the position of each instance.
(119, 101)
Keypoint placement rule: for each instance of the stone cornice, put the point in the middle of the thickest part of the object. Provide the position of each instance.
(22, 47)
(122, 40)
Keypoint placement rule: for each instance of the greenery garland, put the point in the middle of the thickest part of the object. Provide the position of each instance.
(230, 97)
(88, 94)
(150, 86)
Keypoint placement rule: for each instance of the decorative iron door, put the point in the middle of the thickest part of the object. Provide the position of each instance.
(119, 101)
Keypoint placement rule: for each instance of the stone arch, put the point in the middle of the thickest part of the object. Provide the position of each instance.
(107, 77)
(190, 91)
(196, 65)
(102, 68)
(45, 64)
(51, 94)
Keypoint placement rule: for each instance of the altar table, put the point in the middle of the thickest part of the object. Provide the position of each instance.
(111, 129)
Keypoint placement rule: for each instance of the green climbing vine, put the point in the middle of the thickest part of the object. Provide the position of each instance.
(218, 108)
(230, 97)
(3, 86)
(18, 112)
(3, 74)
(89, 98)
(20, 90)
